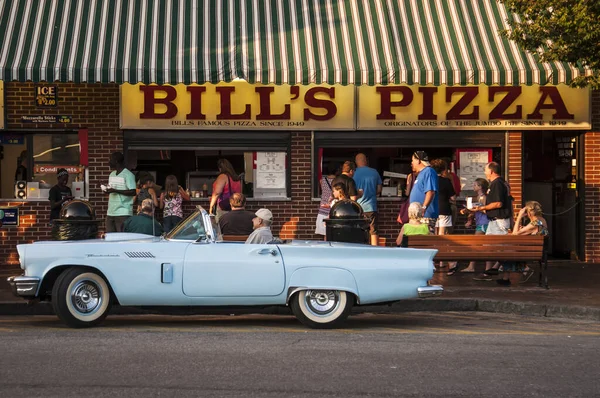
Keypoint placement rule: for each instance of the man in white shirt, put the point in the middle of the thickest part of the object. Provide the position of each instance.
(262, 227)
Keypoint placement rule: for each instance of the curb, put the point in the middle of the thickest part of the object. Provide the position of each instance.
(413, 305)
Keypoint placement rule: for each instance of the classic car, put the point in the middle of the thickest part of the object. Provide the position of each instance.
(192, 266)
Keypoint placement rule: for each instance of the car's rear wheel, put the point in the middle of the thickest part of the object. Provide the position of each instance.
(322, 308)
(81, 298)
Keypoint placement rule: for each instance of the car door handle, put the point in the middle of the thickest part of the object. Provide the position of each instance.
(272, 252)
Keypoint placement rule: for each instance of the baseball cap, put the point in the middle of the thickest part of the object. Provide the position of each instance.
(264, 214)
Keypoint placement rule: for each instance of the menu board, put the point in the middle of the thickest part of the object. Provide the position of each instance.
(471, 165)
(270, 170)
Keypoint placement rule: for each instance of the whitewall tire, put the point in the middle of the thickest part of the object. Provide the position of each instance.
(322, 308)
(81, 298)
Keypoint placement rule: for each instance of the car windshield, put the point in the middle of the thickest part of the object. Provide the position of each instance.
(192, 228)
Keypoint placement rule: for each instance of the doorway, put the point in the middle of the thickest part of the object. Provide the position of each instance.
(551, 162)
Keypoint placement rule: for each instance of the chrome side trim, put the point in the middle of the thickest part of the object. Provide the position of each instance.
(24, 286)
(430, 291)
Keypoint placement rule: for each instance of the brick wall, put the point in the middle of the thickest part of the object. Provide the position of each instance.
(92, 106)
(592, 184)
(514, 169)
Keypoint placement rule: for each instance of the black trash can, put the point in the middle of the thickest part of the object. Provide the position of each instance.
(346, 223)
(77, 222)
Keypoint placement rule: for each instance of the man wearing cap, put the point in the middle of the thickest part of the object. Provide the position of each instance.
(59, 194)
(262, 227)
(425, 189)
(144, 223)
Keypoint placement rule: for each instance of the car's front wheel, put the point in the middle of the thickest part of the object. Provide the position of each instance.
(322, 308)
(81, 298)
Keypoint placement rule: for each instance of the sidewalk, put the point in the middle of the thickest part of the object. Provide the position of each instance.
(573, 293)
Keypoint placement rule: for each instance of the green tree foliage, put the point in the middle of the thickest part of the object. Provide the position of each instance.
(566, 30)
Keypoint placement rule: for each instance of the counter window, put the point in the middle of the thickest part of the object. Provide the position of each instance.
(261, 160)
(34, 158)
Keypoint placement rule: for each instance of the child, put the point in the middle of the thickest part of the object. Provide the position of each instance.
(339, 193)
(146, 191)
(414, 226)
(170, 201)
(480, 186)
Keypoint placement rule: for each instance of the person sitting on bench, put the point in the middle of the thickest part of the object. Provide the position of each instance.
(414, 225)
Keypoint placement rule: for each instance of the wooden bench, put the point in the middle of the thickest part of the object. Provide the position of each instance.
(486, 247)
(235, 238)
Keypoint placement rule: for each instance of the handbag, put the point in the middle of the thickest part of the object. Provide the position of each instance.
(403, 213)
(223, 201)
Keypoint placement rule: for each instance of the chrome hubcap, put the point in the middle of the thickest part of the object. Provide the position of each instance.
(322, 302)
(86, 296)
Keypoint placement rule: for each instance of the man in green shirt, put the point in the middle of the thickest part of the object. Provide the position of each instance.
(121, 191)
(144, 223)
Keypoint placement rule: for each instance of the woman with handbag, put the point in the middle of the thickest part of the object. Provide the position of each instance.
(403, 213)
(227, 183)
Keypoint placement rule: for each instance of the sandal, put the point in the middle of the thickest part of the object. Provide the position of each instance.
(526, 275)
(467, 271)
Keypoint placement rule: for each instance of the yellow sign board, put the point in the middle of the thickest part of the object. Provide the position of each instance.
(1, 105)
(237, 106)
(403, 107)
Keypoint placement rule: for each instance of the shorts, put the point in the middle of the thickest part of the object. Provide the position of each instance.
(430, 222)
(373, 218)
(444, 221)
(498, 227)
(481, 228)
(320, 224)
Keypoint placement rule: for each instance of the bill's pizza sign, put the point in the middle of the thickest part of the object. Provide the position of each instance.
(237, 106)
(240, 106)
(473, 108)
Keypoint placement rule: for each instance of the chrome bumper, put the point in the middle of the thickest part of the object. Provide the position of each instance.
(430, 291)
(24, 286)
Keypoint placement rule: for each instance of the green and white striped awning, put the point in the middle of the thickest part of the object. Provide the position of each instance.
(267, 41)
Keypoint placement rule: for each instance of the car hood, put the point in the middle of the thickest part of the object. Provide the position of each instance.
(111, 237)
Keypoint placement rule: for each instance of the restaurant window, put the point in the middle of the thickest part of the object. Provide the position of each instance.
(34, 158)
(390, 153)
(261, 159)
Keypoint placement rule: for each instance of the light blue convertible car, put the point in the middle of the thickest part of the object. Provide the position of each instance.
(192, 266)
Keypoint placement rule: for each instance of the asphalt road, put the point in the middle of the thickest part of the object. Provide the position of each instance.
(414, 354)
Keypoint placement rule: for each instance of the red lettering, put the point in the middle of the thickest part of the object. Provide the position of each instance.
(455, 113)
(226, 114)
(428, 103)
(195, 103)
(310, 99)
(556, 103)
(150, 102)
(264, 94)
(387, 103)
(512, 93)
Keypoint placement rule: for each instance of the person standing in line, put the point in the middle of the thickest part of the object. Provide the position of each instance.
(445, 195)
(59, 194)
(171, 201)
(345, 178)
(144, 223)
(121, 191)
(457, 189)
(368, 181)
(227, 183)
(425, 189)
(498, 209)
(326, 185)
(480, 186)
(147, 191)
(238, 221)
